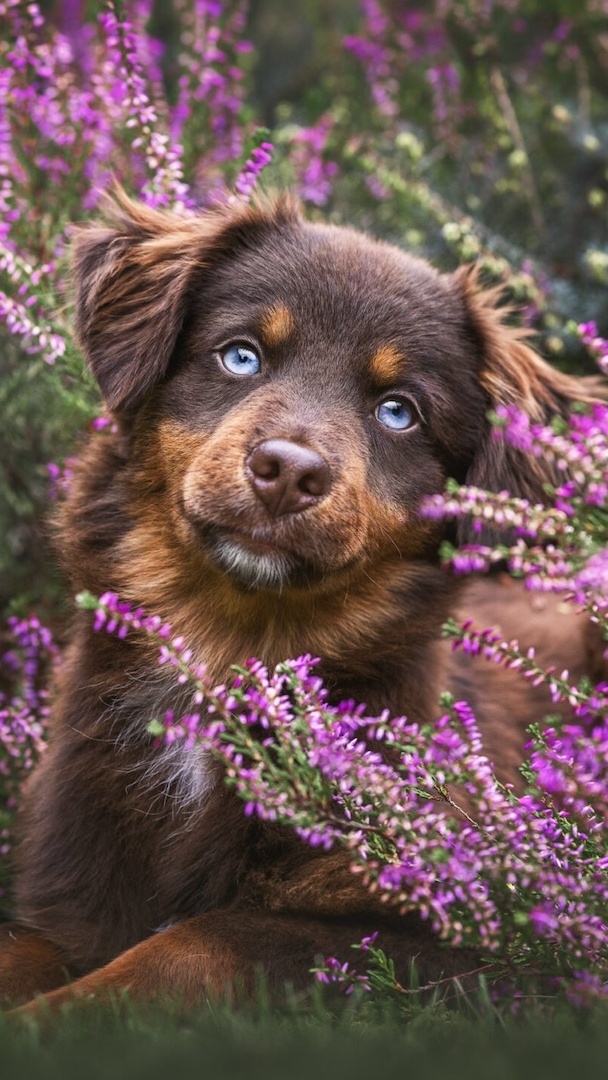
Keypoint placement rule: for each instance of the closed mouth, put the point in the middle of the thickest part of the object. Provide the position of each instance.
(253, 562)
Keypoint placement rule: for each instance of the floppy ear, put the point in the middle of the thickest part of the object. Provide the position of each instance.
(131, 275)
(511, 373)
(133, 272)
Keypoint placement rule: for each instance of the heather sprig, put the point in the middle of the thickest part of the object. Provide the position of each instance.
(260, 157)
(500, 509)
(595, 343)
(341, 974)
(25, 316)
(208, 118)
(373, 48)
(32, 648)
(24, 711)
(164, 184)
(417, 807)
(313, 169)
(559, 545)
(489, 644)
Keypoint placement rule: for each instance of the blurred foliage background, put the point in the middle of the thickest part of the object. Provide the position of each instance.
(463, 130)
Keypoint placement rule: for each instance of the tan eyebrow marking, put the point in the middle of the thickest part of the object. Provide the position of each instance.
(387, 364)
(276, 325)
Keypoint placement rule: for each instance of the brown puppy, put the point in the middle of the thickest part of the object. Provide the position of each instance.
(285, 394)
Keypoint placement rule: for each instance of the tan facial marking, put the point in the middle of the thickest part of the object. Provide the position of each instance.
(276, 325)
(387, 364)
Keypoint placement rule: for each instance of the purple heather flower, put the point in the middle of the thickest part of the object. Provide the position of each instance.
(248, 176)
(23, 714)
(314, 174)
(597, 345)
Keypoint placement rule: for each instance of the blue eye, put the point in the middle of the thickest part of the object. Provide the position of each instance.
(395, 414)
(240, 360)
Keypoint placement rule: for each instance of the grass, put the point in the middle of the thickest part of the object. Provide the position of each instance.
(323, 1041)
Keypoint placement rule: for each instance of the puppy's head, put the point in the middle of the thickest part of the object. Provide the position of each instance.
(292, 391)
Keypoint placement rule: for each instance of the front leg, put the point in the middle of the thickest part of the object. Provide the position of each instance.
(222, 954)
(216, 955)
(29, 964)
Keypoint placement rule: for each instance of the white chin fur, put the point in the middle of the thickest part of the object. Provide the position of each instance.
(253, 571)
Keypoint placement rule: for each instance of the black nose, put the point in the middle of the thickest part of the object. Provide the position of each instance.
(287, 477)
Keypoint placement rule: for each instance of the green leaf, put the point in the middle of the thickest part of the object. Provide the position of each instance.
(156, 728)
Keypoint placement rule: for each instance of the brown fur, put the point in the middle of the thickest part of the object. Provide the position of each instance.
(276, 325)
(171, 511)
(387, 365)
